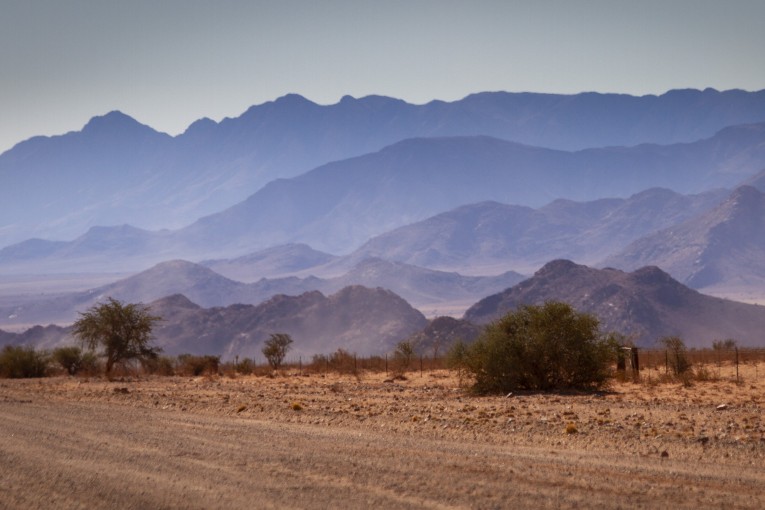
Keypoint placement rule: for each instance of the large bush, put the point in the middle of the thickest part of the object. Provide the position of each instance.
(540, 348)
(18, 362)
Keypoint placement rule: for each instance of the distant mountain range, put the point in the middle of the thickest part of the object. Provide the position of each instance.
(646, 304)
(117, 171)
(489, 236)
(339, 206)
(725, 245)
(361, 320)
(203, 286)
(330, 205)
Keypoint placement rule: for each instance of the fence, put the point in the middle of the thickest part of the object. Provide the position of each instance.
(737, 364)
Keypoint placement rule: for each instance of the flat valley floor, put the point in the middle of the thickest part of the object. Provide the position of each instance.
(344, 441)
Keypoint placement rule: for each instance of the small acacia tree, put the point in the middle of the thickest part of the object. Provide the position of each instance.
(677, 354)
(275, 349)
(121, 331)
(540, 348)
(403, 354)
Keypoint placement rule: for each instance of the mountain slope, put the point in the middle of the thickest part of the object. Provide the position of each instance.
(117, 171)
(726, 245)
(491, 236)
(277, 261)
(421, 287)
(646, 304)
(357, 319)
(338, 206)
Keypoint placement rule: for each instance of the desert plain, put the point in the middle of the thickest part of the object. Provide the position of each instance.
(366, 440)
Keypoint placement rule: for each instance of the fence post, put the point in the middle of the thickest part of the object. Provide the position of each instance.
(386, 364)
(420, 365)
(737, 380)
(635, 361)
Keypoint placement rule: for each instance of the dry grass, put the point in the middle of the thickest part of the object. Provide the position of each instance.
(652, 415)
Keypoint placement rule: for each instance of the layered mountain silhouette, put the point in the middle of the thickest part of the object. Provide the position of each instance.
(338, 206)
(726, 245)
(116, 170)
(490, 236)
(646, 304)
(282, 260)
(205, 287)
(357, 319)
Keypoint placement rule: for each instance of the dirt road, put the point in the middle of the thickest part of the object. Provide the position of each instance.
(66, 451)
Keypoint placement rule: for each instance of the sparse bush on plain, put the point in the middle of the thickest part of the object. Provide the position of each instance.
(540, 348)
(456, 358)
(161, 365)
(245, 366)
(403, 355)
(190, 364)
(74, 360)
(121, 331)
(275, 349)
(677, 355)
(17, 362)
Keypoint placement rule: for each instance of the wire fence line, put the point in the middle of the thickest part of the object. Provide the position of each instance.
(736, 363)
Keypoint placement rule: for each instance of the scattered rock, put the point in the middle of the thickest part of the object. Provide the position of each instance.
(722, 407)
(664, 454)
(703, 440)
(123, 390)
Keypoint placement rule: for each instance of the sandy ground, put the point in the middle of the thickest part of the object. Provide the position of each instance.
(341, 441)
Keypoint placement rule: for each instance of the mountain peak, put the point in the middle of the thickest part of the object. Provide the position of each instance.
(556, 268)
(115, 123)
(293, 99)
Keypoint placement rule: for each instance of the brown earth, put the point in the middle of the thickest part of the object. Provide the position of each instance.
(341, 441)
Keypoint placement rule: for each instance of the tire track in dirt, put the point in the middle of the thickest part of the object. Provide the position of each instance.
(91, 455)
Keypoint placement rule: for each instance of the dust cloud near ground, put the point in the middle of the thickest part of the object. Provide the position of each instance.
(342, 441)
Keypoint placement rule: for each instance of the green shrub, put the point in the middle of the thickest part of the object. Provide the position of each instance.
(403, 355)
(161, 365)
(245, 367)
(20, 362)
(74, 360)
(189, 364)
(677, 355)
(275, 349)
(540, 348)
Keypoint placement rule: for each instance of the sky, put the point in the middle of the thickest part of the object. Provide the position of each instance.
(169, 62)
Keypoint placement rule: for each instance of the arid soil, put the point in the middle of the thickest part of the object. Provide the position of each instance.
(342, 441)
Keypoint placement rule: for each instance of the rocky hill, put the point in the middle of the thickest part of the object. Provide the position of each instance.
(357, 319)
(725, 245)
(646, 304)
(490, 236)
(421, 287)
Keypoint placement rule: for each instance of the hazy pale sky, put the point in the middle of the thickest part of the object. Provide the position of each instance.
(170, 62)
